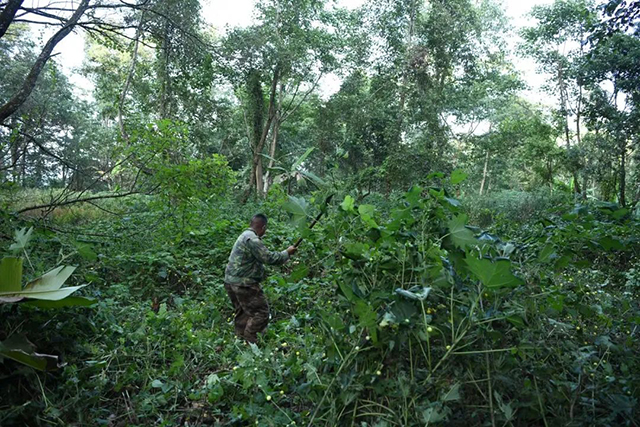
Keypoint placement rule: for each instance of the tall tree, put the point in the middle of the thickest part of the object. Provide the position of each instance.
(558, 43)
(287, 52)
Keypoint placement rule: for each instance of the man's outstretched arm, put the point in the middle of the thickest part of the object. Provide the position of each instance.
(265, 256)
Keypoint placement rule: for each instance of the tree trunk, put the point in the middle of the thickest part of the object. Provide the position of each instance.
(164, 74)
(125, 89)
(403, 89)
(29, 83)
(484, 172)
(15, 157)
(268, 179)
(7, 15)
(257, 148)
(565, 116)
(623, 172)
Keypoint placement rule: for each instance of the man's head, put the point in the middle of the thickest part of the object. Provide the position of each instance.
(259, 224)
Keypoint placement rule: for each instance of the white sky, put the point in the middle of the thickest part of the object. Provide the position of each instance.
(221, 13)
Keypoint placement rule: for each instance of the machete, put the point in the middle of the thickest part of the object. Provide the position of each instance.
(326, 203)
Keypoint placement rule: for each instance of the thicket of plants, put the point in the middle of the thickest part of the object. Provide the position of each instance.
(396, 314)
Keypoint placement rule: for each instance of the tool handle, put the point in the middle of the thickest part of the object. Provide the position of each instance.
(297, 243)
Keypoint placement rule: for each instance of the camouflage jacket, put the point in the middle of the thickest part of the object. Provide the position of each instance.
(247, 259)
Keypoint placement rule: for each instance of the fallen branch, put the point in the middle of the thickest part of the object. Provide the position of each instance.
(70, 202)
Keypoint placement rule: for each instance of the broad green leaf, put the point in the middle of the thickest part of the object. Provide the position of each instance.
(366, 210)
(300, 272)
(354, 250)
(562, 262)
(516, 321)
(413, 195)
(546, 253)
(22, 238)
(86, 252)
(315, 178)
(65, 302)
(348, 204)
(610, 243)
(347, 291)
(620, 213)
(18, 348)
(457, 176)
(367, 318)
(435, 413)
(452, 394)
(366, 213)
(460, 235)
(365, 314)
(298, 206)
(453, 202)
(333, 320)
(493, 275)
(301, 159)
(10, 274)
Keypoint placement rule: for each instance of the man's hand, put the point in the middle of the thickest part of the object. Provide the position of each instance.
(291, 250)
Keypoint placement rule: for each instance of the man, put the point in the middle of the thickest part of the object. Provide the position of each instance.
(243, 275)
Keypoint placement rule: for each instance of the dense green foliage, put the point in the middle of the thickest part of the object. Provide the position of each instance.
(393, 314)
(477, 261)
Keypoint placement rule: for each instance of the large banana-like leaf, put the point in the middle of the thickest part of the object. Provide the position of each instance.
(301, 159)
(18, 348)
(10, 274)
(51, 281)
(46, 287)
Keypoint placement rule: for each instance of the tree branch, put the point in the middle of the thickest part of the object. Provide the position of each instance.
(70, 202)
(7, 15)
(29, 83)
(125, 89)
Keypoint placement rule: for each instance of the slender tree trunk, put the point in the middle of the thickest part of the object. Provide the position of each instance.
(164, 74)
(29, 83)
(484, 172)
(403, 89)
(127, 83)
(268, 180)
(259, 177)
(15, 157)
(623, 172)
(257, 149)
(565, 118)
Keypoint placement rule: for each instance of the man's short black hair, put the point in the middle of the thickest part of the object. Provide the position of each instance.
(259, 217)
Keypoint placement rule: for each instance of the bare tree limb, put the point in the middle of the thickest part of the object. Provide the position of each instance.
(7, 15)
(288, 113)
(70, 202)
(125, 89)
(29, 83)
(47, 151)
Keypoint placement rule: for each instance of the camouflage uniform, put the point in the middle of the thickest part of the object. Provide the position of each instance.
(242, 278)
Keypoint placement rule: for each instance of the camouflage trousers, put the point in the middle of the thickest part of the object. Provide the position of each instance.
(252, 310)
